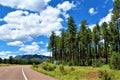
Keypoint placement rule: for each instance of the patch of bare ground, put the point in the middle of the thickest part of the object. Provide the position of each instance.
(93, 75)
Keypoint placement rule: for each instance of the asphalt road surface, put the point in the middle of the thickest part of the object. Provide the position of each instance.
(22, 73)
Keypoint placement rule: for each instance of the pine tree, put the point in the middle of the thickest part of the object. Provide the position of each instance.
(105, 38)
(83, 42)
(114, 39)
(0, 60)
(115, 17)
(96, 40)
(63, 44)
(89, 45)
(72, 30)
(52, 45)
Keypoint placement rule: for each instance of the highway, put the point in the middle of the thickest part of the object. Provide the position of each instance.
(22, 72)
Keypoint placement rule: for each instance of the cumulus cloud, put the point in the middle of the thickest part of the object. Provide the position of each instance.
(15, 43)
(5, 52)
(65, 6)
(21, 25)
(92, 11)
(32, 48)
(33, 5)
(24, 26)
(45, 52)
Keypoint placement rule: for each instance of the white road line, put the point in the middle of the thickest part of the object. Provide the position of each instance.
(24, 74)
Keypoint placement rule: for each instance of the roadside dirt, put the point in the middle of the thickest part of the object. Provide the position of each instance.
(93, 75)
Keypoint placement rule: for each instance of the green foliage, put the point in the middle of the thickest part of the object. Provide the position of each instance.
(98, 62)
(0, 60)
(52, 45)
(34, 65)
(105, 37)
(62, 70)
(106, 75)
(116, 10)
(11, 60)
(115, 60)
(72, 68)
(48, 66)
(84, 46)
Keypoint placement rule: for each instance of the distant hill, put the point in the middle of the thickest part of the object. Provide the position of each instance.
(40, 58)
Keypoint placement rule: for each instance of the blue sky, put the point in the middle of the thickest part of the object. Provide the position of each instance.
(25, 25)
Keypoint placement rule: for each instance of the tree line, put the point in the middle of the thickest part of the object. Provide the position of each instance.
(86, 47)
(12, 60)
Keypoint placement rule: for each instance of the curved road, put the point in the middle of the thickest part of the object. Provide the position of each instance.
(22, 73)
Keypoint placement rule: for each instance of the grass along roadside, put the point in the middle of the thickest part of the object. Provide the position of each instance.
(5, 65)
(78, 72)
(67, 72)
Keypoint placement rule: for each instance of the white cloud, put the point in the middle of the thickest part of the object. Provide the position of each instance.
(41, 42)
(46, 45)
(50, 20)
(24, 26)
(58, 33)
(33, 5)
(65, 15)
(92, 11)
(4, 53)
(65, 6)
(45, 52)
(110, 10)
(106, 18)
(15, 43)
(91, 26)
(32, 48)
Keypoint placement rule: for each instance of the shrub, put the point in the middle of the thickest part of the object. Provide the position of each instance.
(48, 67)
(115, 60)
(62, 70)
(106, 75)
(70, 63)
(72, 68)
(98, 62)
(34, 65)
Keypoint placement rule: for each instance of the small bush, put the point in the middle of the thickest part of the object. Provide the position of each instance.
(98, 62)
(62, 70)
(70, 63)
(106, 75)
(34, 65)
(115, 61)
(72, 68)
(48, 67)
